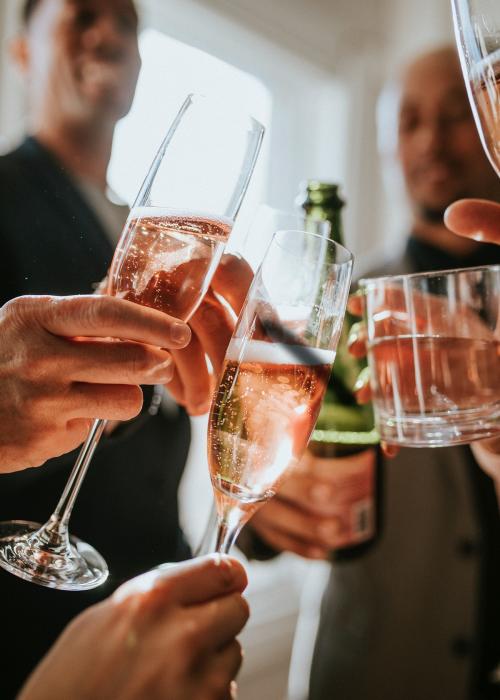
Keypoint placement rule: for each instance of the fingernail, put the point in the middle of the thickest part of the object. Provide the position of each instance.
(321, 493)
(352, 338)
(233, 689)
(225, 566)
(362, 380)
(180, 333)
(388, 449)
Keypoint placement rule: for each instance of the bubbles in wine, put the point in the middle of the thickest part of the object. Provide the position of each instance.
(166, 259)
(485, 85)
(263, 414)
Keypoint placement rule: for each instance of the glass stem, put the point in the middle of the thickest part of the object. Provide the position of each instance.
(206, 544)
(55, 531)
(229, 527)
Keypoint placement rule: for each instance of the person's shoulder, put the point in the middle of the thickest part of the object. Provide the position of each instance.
(12, 163)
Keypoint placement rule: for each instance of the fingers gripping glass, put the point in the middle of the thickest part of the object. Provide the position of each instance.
(170, 247)
(275, 374)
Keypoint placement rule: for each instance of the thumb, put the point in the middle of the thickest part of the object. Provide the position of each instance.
(474, 218)
(187, 583)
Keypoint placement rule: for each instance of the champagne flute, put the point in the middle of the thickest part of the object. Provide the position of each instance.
(477, 31)
(266, 221)
(275, 374)
(170, 247)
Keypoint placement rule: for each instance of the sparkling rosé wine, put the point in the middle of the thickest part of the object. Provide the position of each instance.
(263, 414)
(486, 91)
(449, 374)
(165, 259)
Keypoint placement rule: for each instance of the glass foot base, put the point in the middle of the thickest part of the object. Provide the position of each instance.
(27, 552)
(443, 430)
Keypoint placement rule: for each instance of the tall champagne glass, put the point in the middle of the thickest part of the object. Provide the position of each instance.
(275, 374)
(477, 30)
(170, 247)
(266, 221)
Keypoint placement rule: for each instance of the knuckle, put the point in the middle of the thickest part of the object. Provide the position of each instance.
(242, 606)
(188, 643)
(218, 685)
(191, 630)
(27, 309)
(15, 308)
(94, 311)
(140, 359)
(40, 362)
(35, 407)
(38, 447)
(210, 316)
(238, 609)
(100, 310)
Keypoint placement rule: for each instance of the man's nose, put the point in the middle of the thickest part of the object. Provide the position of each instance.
(432, 136)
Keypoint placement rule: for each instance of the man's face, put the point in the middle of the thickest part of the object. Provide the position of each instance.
(83, 57)
(439, 148)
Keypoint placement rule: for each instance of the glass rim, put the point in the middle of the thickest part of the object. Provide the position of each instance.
(347, 253)
(370, 281)
(226, 110)
(291, 213)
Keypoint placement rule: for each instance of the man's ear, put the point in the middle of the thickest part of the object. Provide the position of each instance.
(19, 52)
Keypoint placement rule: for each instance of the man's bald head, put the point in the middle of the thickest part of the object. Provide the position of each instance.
(438, 144)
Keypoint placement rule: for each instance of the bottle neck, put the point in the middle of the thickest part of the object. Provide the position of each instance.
(333, 216)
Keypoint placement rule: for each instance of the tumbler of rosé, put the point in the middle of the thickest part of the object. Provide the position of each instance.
(433, 343)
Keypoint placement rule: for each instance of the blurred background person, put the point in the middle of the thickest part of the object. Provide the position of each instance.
(417, 615)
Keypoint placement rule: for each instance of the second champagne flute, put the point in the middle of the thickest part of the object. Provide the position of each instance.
(477, 31)
(171, 245)
(275, 374)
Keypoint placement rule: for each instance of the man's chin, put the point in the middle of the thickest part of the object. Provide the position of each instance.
(106, 104)
(433, 212)
(432, 215)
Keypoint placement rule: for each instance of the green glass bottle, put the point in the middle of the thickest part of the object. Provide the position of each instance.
(344, 427)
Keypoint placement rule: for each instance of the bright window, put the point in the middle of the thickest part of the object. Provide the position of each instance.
(171, 70)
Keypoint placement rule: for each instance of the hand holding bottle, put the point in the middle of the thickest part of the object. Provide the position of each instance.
(324, 505)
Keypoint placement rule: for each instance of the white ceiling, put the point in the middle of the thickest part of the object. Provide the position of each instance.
(330, 32)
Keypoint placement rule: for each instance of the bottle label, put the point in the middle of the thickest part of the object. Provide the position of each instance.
(354, 483)
(351, 477)
(362, 525)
